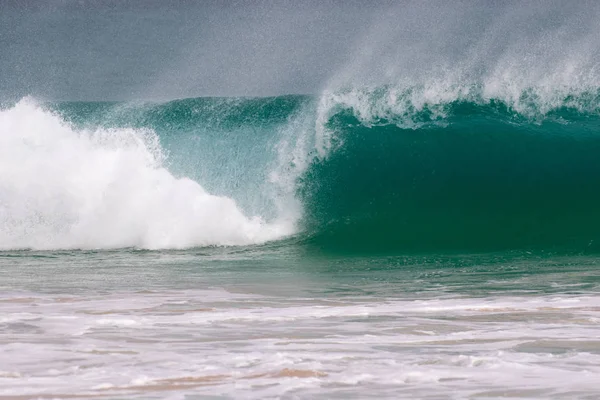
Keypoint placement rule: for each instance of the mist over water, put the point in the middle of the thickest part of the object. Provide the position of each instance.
(534, 56)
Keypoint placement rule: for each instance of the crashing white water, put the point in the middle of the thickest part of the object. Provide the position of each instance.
(61, 187)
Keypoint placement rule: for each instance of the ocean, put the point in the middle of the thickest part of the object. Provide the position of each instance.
(390, 241)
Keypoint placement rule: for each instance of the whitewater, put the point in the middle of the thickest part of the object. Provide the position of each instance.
(105, 188)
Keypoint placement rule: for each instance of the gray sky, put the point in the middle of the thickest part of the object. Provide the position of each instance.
(161, 49)
(98, 49)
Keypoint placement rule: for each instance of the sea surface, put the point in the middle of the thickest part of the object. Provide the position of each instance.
(388, 241)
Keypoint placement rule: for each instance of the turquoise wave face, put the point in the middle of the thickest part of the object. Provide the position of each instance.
(466, 175)
(485, 179)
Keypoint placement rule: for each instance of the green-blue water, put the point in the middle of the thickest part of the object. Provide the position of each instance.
(485, 177)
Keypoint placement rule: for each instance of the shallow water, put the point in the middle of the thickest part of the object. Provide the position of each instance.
(219, 323)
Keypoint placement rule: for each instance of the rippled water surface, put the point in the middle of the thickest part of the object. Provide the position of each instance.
(223, 324)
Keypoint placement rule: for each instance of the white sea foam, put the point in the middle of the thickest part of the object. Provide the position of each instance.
(213, 342)
(61, 187)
